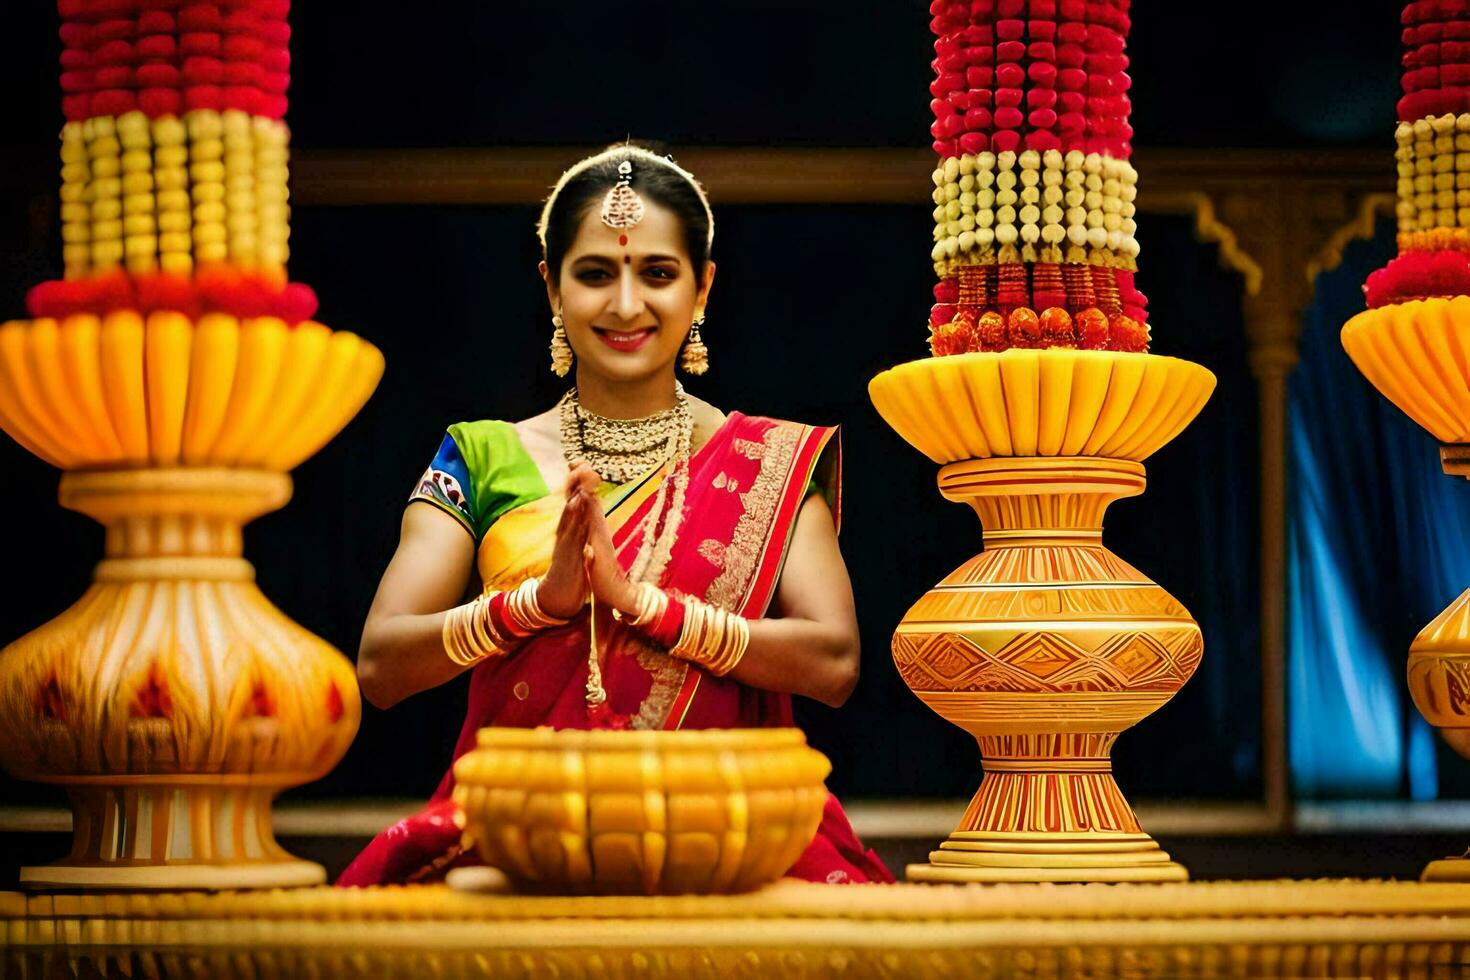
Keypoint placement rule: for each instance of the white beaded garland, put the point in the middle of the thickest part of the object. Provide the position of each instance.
(1081, 199)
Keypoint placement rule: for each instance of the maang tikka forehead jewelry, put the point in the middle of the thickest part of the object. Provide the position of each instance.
(622, 208)
(631, 154)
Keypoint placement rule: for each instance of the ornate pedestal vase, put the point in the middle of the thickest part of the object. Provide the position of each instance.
(1414, 353)
(176, 374)
(1046, 645)
(173, 700)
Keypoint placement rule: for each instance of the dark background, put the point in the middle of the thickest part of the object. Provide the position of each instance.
(810, 302)
(757, 72)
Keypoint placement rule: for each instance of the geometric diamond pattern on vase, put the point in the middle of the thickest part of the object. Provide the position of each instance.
(1039, 654)
(943, 657)
(1138, 656)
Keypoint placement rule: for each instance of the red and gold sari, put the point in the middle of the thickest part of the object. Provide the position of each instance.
(746, 485)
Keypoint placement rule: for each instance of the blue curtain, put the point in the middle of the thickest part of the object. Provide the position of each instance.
(1375, 546)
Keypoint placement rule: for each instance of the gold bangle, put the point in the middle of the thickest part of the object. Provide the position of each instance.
(651, 603)
(524, 611)
(713, 638)
(468, 635)
(736, 641)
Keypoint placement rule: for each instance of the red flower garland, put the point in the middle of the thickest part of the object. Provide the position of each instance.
(1436, 77)
(220, 288)
(169, 56)
(1415, 275)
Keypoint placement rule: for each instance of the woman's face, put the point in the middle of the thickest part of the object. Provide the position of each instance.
(628, 296)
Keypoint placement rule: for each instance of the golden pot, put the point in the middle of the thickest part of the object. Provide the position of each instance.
(641, 812)
(1046, 645)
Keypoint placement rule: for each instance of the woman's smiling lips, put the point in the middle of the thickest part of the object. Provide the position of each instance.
(626, 341)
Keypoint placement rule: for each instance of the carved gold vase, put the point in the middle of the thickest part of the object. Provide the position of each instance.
(1414, 353)
(1046, 645)
(173, 701)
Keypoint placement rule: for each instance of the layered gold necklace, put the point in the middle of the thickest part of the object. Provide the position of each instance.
(621, 449)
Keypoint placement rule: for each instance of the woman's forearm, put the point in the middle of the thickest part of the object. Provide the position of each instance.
(800, 656)
(402, 647)
(402, 655)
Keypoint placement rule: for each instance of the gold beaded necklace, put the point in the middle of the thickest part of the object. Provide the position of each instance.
(619, 450)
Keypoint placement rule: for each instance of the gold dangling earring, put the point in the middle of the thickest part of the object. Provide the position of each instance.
(561, 351)
(694, 359)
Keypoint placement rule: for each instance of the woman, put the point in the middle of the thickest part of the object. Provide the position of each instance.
(705, 544)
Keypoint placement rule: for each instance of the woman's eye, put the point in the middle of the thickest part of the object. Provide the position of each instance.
(593, 275)
(659, 272)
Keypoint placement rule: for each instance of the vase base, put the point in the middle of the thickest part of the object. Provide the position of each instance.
(184, 876)
(1455, 869)
(970, 856)
(940, 874)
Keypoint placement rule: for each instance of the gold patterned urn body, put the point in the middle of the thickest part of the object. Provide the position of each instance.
(173, 700)
(1414, 354)
(1046, 645)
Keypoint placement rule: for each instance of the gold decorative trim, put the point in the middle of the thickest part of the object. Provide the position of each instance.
(753, 530)
(1209, 228)
(1257, 929)
(1329, 256)
(712, 551)
(438, 863)
(667, 675)
(750, 448)
(1222, 901)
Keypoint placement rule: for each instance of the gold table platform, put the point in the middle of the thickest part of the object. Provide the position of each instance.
(1255, 929)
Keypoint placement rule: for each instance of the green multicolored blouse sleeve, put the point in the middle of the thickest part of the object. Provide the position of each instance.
(480, 471)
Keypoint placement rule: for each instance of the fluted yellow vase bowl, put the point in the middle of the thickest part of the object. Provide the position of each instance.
(1418, 355)
(641, 812)
(1041, 403)
(124, 391)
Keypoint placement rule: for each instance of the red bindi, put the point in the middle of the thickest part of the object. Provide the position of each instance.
(622, 239)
